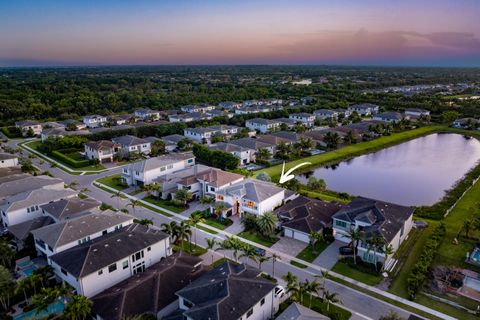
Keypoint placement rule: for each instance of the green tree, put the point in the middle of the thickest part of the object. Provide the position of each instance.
(211, 243)
(330, 297)
(316, 184)
(449, 116)
(133, 203)
(355, 235)
(183, 195)
(7, 287)
(78, 308)
(171, 229)
(266, 224)
(184, 233)
(263, 154)
(143, 222)
(158, 147)
(6, 253)
(194, 220)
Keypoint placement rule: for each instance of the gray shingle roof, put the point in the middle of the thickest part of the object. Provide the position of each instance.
(129, 140)
(99, 253)
(253, 189)
(251, 143)
(68, 231)
(70, 208)
(22, 230)
(7, 156)
(160, 161)
(35, 197)
(28, 183)
(222, 292)
(227, 147)
(296, 311)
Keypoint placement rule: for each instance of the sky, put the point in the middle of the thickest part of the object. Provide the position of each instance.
(164, 32)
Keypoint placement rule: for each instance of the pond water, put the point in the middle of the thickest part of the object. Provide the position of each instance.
(416, 172)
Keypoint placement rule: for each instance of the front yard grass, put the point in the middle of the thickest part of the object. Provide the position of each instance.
(258, 238)
(298, 264)
(190, 248)
(356, 274)
(309, 253)
(166, 204)
(217, 223)
(322, 196)
(114, 181)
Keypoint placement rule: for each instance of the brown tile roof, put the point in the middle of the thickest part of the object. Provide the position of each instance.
(101, 144)
(214, 177)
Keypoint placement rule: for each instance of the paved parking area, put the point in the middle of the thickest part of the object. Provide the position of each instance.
(289, 246)
(329, 257)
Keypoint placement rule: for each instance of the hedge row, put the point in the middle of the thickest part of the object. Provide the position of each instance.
(417, 277)
(69, 161)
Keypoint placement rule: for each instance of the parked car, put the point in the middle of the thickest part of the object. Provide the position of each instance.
(260, 252)
(346, 250)
(279, 291)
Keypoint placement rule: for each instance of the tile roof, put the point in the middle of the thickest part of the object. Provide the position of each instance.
(101, 144)
(221, 292)
(160, 161)
(70, 208)
(307, 215)
(149, 291)
(99, 253)
(173, 138)
(251, 143)
(129, 140)
(28, 183)
(214, 177)
(68, 231)
(296, 311)
(23, 229)
(252, 189)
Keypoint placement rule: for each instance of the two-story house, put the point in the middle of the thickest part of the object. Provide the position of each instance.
(102, 150)
(27, 126)
(131, 144)
(416, 113)
(202, 135)
(70, 208)
(67, 234)
(254, 144)
(374, 218)
(171, 141)
(147, 114)
(221, 294)
(262, 125)
(244, 154)
(103, 262)
(325, 114)
(229, 105)
(306, 119)
(8, 160)
(392, 117)
(94, 121)
(146, 171)
(197, 108)
(364, 109)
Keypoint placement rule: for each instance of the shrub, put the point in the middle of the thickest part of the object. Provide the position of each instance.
(249, 222)
(69, 161)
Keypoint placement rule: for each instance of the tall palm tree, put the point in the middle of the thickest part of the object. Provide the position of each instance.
(330, 297)
(355, 236)
(78, 308)
(117, 195)
(211, 242)
(6, 253)
(44, 274)
(234, 244)
(23, 285)
(290, 278)
(184, 233)
(133, 203)
(194, 220)
(261, 260)
(267, 223)
(250, 253)
(275, 258)
(219, 207)
(183, 195)
(314, 287)
(293, 288)
(263, 154)
(171, 229)
(143, 222)
(387, 251)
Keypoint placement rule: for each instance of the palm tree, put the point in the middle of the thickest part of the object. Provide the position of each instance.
(314, 287)
(171, 229)
(330, 298)
(44, 274)
(117, 195)
(261, 260)
(133, 203)
(194, 220)
(290, 278)
(332, 139)
(219, 207)
(183, 195)
(211, 242)
(263, 154)
(78, 308)
(6, 253)
(315, 237)
(72, 185)
(355, 236)
(275, 257)
(350, 137)
(293, 288)
(234, 244)
(23, 285)
(283, 150)
(184, 233)
(206, 200)
(143, 222)
(306, 143)
(250, 252)
(267, 223)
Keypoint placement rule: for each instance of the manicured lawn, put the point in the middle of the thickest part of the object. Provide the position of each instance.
(217, 223)
(190, 248)
(114, 181)
(297, 264)
(156, 210)
(166, 204)
(321, 196)
(351, 272)
(309, 254)
(258, 238)
(207, 229)
(444, 308)
(353, 150)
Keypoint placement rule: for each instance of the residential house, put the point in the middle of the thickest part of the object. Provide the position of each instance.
(21, 231)
(146, 171)
(344, 112)
(250, 103)
(149, 292)
(94, 121)
(220, 113)
(229, 291)
(253, 109)
(364, 109)
(27, 126)
(147, 114)
(131, 144)
(74, 124)
(205, 135)
(26, 205)
(70, 208)
(8, 160)
(326, 114)
(202, 108)
(102, 150)
(189, 117)
(303, 215)
(392, 117)
(103, 262)
(273, 139)
(307, 119)
(61, 236)
(466, 123)
(121, 119)
(375, 218)
(262, 125)
(229, 105)
(290, 123)
(16, 184)
(296, 311)
(416, 113)
(171, 141)
(244, 154)
(60, 133)
(250, 196)
(254, 144)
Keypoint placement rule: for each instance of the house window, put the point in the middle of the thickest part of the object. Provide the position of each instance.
(112, 267)
(137, 256)
(149, 248)
(104, 232)
(139, 268)
(170, 166)
(220, 197)
(64, 271)
(100, 272)
(125, 264)
(187, 303)
(339, 223)
(249, 313)
(162, 169)
(262, 302)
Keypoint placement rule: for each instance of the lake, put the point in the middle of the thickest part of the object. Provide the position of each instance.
(416, 172)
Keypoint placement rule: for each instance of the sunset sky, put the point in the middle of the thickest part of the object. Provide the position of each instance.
(368, 32)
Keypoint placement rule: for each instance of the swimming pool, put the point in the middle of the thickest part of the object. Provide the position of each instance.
(475, 256)
(55, 308)
(28, 271)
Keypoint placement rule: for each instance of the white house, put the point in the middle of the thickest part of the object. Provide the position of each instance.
(202, 108)
(392, 117)
(244, 154)
(69, 208)
(145, 171)
(189, 117)
(131, 144)
(254, 144)
(389, 221)
(103, 262)
(213, 295)
(229, 105)
(102, 150)
(171, 141)
(253, 109)
(205, 135)
(364, 109)
(67, 234)
(94, 121)
(262, 125)
(414, 112)
(325, 114)
(147, 114)
(306, 119)
(27, 125)
(8, 160)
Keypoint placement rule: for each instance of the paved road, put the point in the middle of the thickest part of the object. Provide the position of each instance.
(361, 305)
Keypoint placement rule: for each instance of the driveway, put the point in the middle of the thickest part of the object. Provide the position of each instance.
(329, 257)
(289, 246)
(237, 225)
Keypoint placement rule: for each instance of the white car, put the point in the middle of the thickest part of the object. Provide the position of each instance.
(279, 291)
